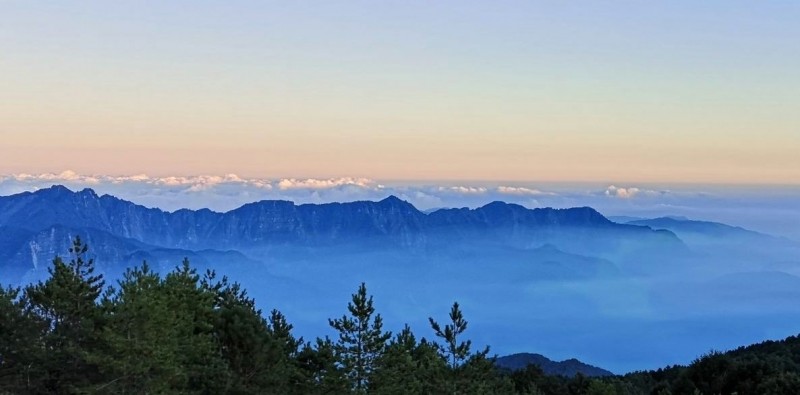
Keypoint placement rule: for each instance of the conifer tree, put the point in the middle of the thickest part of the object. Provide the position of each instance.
(67, 302)
(361, 339)
(469, 374)
(398, 371)
(259, 353)
(20, 345)
(456, 352)
(321, 370)
(204, 369)
(140, 336)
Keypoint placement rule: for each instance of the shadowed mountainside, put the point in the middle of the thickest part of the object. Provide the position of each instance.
(567, 368)
(38, 224)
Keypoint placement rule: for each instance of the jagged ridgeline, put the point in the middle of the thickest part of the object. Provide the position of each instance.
(37, 225)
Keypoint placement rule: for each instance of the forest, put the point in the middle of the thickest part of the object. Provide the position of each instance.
(195, 333)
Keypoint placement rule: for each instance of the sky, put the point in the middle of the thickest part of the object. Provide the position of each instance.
(609, 93)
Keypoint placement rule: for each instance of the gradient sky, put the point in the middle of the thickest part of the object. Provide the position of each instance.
(624, 91)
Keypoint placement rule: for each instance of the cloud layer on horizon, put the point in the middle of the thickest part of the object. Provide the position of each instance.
(770, 210)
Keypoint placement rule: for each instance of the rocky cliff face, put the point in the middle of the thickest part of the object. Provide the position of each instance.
(37, 225)
(282, 221)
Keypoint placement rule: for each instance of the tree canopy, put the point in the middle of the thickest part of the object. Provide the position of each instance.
(192, 333)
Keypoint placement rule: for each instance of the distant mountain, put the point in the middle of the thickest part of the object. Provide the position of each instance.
(624, 219)
(552, 263)
(39, 224)
(37, 249)
(283, 221)
(685, 225)
(714, 233)
(568, 368)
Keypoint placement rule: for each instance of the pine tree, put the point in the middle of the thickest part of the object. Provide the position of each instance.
(397, 371)
(20, 345)
(259, 353)
(457, 352)
(140, 336)
(469, 374)
(286, 348)
(320, 368)
(361, 339)
(204, 368)
(67, 302)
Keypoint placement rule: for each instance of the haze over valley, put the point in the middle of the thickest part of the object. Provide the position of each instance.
(561, 282)
(604, 193)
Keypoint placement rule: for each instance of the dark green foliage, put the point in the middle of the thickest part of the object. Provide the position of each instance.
(468, 373)
(141, 336)
(769, 367)
(457, 352)
(361, 339)
(21, 351)
(67, 304)
(192, 334)
(320, 368)
(409, 367)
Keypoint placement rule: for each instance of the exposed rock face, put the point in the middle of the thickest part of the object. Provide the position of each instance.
(37, 225)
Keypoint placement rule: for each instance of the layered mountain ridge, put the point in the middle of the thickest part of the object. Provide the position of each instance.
(270, 221)
(36, 226)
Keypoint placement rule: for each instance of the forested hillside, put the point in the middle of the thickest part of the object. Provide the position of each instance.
(187, 332)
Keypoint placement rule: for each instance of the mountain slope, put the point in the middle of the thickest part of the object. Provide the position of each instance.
(567, 368)
(281, 222)
(706, 228)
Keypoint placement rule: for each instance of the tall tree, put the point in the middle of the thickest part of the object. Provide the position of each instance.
(67, 301)
(469, 373)
(140, 336)
(410, 367)
(320, 369)
(198, 346)
(260, 353)
(361, 339)
(397, 371)
(456, 352)
(20, 345)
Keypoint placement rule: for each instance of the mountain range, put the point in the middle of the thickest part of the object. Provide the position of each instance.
(558, 281)
(35, 226)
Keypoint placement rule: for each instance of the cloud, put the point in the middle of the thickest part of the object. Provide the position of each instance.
(622, 193)
(67, 175)
(522, 191)
(313, 183)
(630, 192)
(464, 190)
(769, 210)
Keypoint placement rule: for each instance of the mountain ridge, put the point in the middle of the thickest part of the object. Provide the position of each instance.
(389, 223)
(567, 368)
(58, 205)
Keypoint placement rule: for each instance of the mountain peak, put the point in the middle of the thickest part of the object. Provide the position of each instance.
(87, 192)
(392, 199)
(567, 368)
(57, 188)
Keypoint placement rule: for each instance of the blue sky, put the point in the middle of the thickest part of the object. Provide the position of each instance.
(609, 92)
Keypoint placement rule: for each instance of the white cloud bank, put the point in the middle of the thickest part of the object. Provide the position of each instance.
(231, 190)
(631, 192)
(521, 191)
